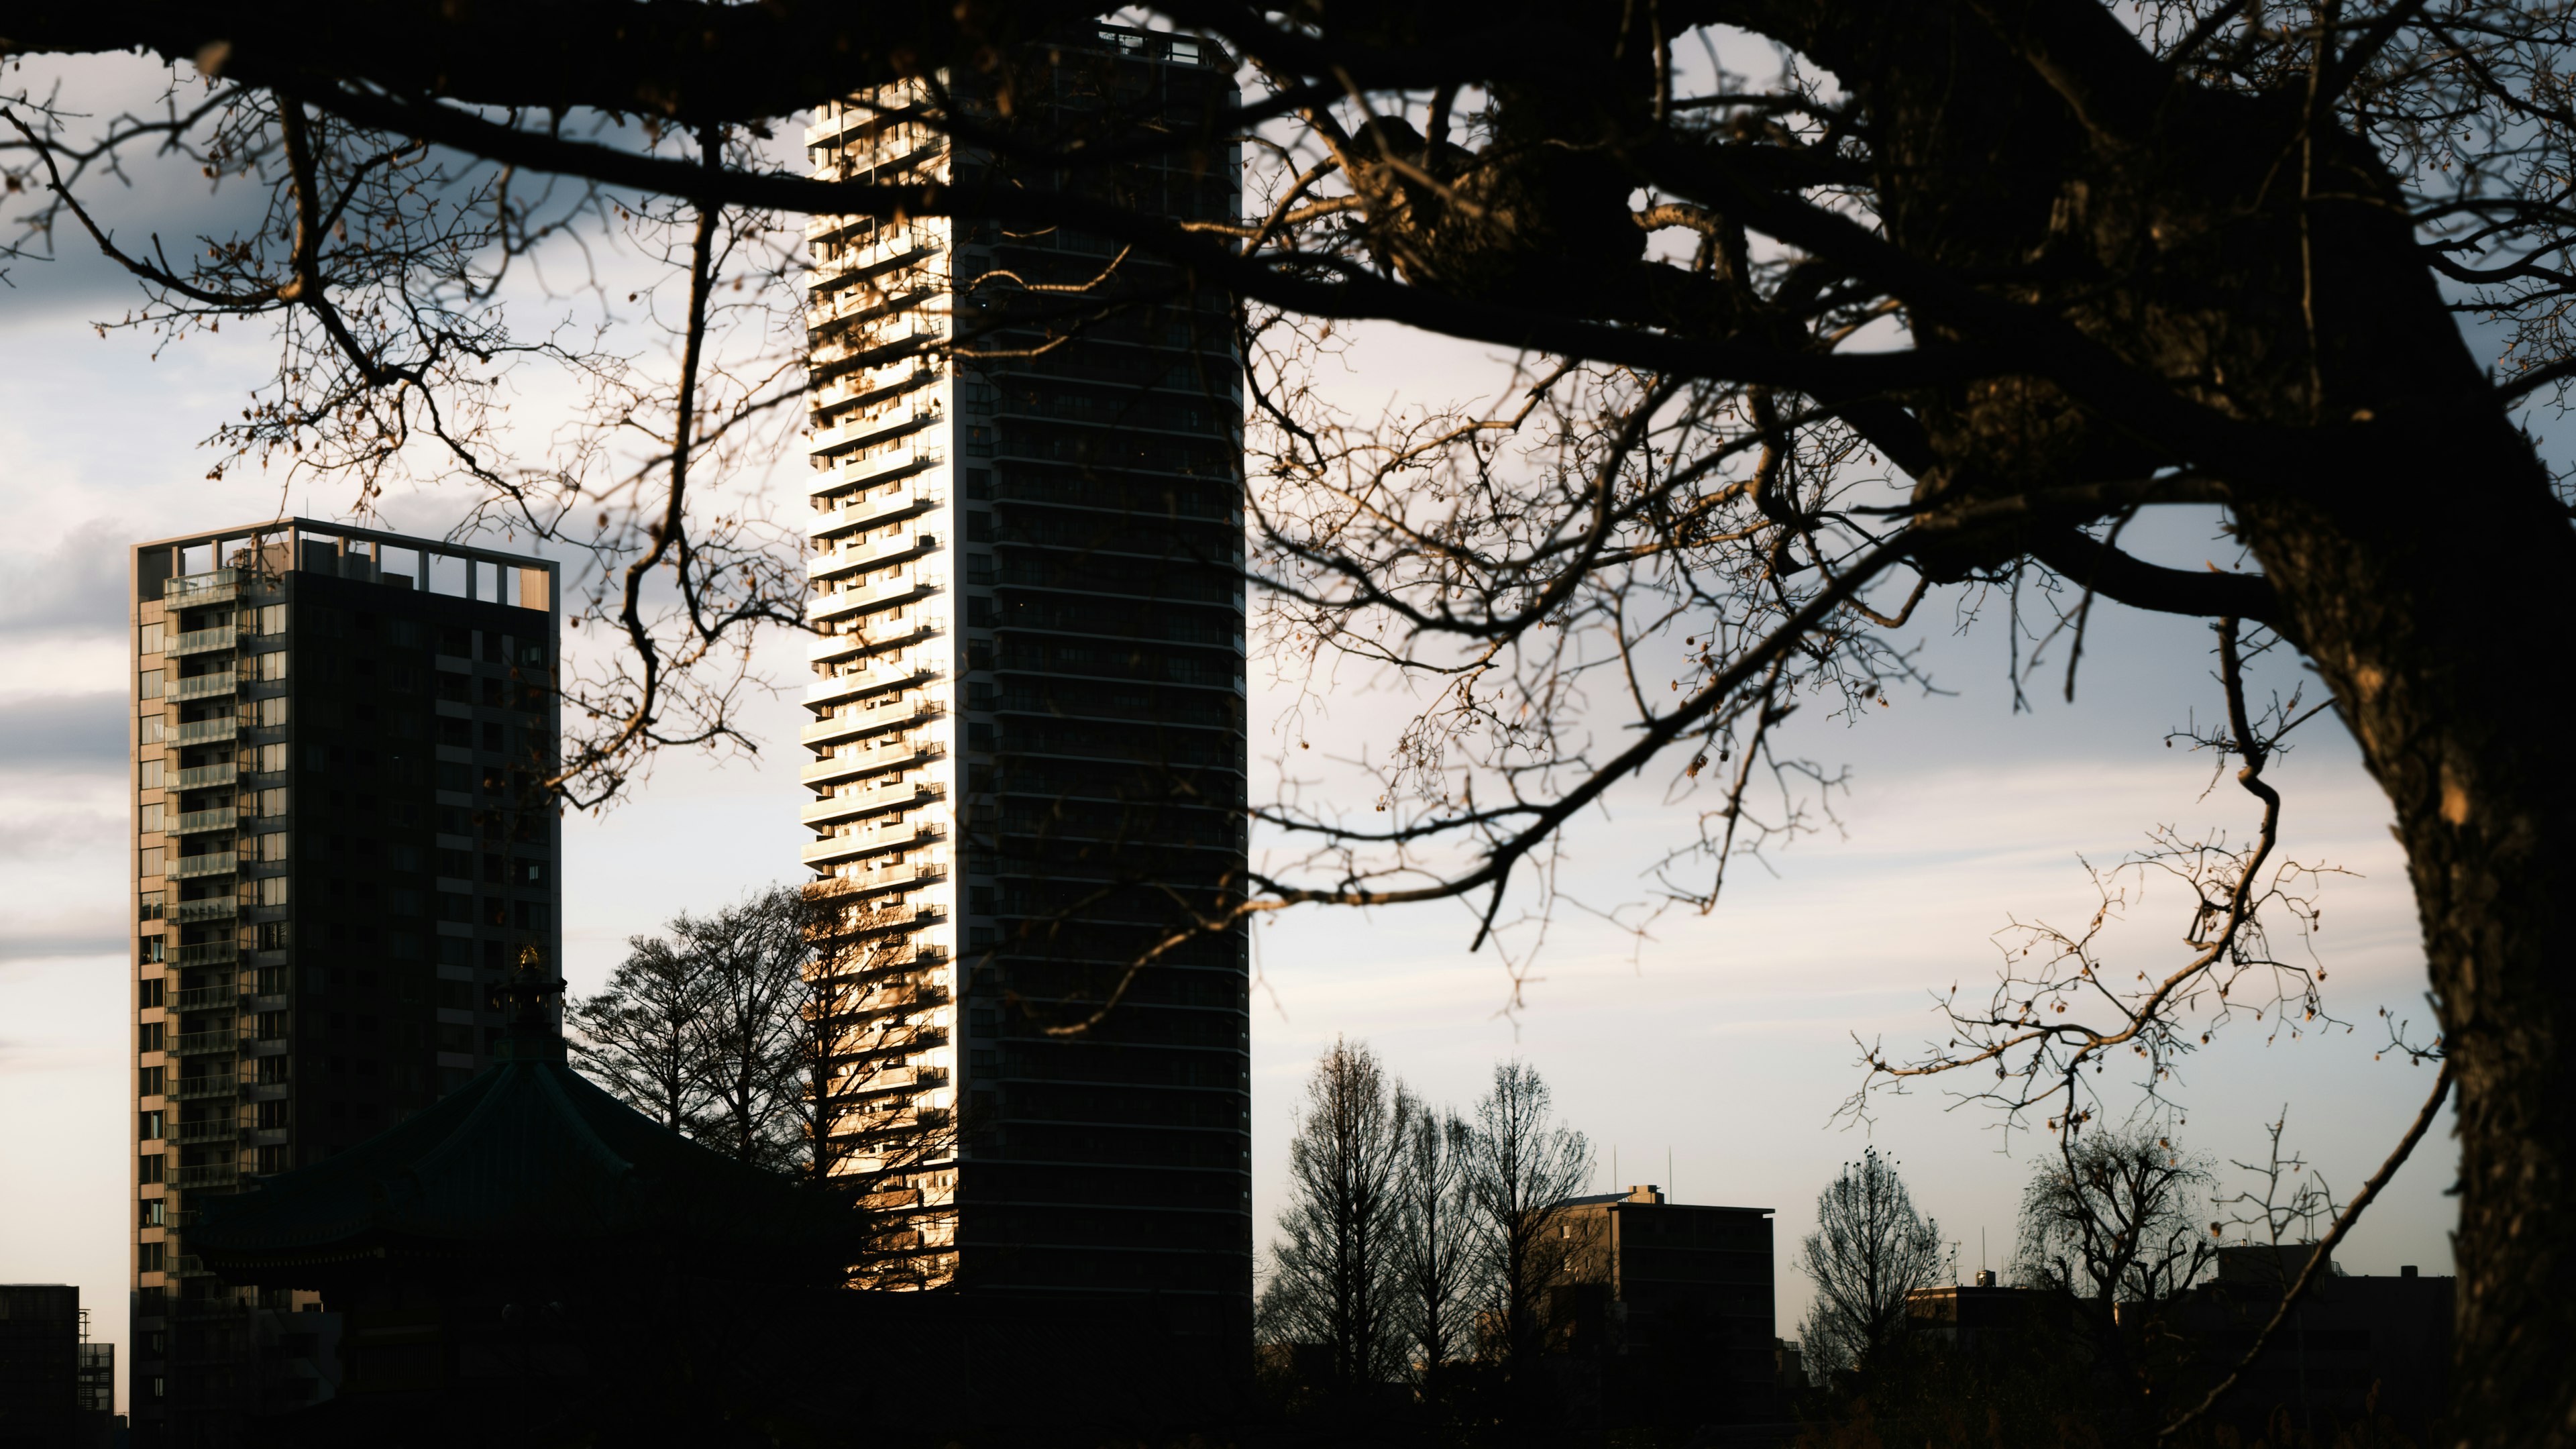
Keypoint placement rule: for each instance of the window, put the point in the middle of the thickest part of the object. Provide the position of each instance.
(270, 619)
(272, 846)
(152, 1212)
(272, 1069)
(149, 1082)
(150, 1037)
(272, 1116)
(272, 665)
(979, 568)
(316, 758)
(151, 1169)
(268, 802)
(151, 906)
(149, 640)
(151, 952)
(272, 936)
(148, 686)
(532, 654)
(150, 1129)
(270, 714)
(151, 774)
(272, 758)
(148, 994)
(152, 819)
(269, 891)
(532, 916)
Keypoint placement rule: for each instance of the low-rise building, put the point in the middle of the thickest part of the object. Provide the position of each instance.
(1669, 1308)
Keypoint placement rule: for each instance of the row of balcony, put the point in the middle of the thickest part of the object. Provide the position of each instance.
(861, 683)
(208, 731)
(888, 634)
(189, 591)
(199, 822)
(920, 412)
(862, 555)
(891, 876)
(894, 793)
(857, 511)
(881, 469)
(205, 686)
(832, 769)
(212, 908)
(911, 583)
(890, 712)
(203, 641)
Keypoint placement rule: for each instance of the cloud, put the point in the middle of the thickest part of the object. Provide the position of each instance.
(76, 732)
(77, 587)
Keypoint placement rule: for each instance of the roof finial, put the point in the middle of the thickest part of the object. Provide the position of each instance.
(528, 999)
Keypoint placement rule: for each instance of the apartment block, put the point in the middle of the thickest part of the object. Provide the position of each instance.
(1025, 763)
(342, 837)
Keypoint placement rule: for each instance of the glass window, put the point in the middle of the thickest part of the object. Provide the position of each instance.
(149, 686)
(152, 862)
(152, 728)
(152, 816)
(150, 640)
(150, 772)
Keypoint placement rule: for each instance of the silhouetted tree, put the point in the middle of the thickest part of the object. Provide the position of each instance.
(2117, 1219)
(1336, 1271)
(1437, 1261)
(643, 1036)
(1870, 1249)
(1522, 1166)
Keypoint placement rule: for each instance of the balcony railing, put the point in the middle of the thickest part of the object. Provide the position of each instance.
(225, 1130)
(217, 1084)
(188, 591)
(198, 822)
(213, 908)
(207, 953)
(214, 1175)
(834, 768)
(205, 686)
(207, 998)
(873, 510)
(213, 862)
(207, 776)
(914, 580)
(206, 731)
(863, 682)
(889, 714)
(874, 553)
(862, 799)
(204, 641)
(208, 1043)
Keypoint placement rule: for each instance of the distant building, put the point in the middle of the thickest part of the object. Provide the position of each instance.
(1670, 1306)
(342, 835)
(94, 1391)
(40, 1333)
(2353, 1348)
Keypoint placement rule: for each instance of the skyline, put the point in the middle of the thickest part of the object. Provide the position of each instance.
(92, 471)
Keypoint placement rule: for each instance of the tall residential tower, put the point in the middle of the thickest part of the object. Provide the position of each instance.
(342, 834)
(1027, 743)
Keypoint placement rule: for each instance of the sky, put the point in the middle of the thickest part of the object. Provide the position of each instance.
(1711, 1055)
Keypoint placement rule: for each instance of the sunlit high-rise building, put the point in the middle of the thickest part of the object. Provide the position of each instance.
(1025, 761)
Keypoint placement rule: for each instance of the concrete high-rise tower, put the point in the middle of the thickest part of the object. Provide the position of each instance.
(1027, 747)
(342, 836)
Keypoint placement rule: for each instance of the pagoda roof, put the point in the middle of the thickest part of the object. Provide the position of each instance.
(529, 1154)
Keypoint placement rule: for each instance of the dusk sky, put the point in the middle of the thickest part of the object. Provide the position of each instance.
(1709, 1054)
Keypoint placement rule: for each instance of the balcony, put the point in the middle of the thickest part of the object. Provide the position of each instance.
(205, 686)
(880, 470)
(189, 591)
(833, 769)
(216, 1175)
(225, 1130)
(208, 1043)
(206, 953)
(207, 998)
(207, 776)
(199, 822)
(890, 794)
(833, 849)
(203, 641)
(214, 1084)
(859, 683)
(213, 862)
(875, 510)
(212, 908)
(207, 731)
(889, 714)
(870, 554)
(914, 583)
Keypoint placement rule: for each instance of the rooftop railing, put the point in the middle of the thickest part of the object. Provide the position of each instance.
(190, 590)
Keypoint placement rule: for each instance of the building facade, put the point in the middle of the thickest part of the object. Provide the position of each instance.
(40, 1363)
(1669, 1308)
(1027, 738)
(341, 739)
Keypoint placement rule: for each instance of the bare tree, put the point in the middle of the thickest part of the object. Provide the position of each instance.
(1336, 1270)
(1436, 1255)
(754, 957)
(643, 1035)
(1923, 318)
(1870, 1250)
(2116, 1218)
(1522, 1168)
